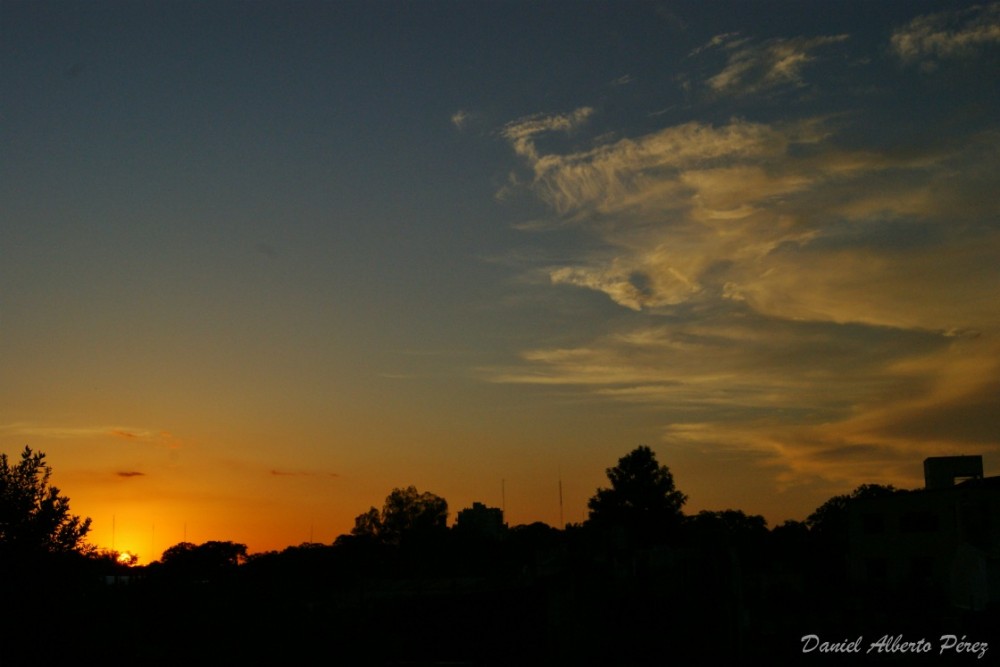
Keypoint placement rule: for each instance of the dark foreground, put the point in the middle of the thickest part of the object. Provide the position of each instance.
(545, 600)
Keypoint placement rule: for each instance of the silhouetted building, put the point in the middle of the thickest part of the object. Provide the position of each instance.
(481, 521)
(943, 540)
(940, 472)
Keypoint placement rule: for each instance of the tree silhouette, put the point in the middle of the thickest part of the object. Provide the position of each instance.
(829, 521)
(406, 513)
(368, 524)
(728, 523)
(642, 499)
(34, 518)
(207, 561)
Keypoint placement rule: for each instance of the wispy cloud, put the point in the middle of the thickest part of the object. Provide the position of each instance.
(130, 473)
(753, 67)
(30, 430)
(59, 432)
(777, 216)
(145, 436)
(128, 435)
(948, 35)
(460, 118)
(301, 473)
(716, 41)
(522, 133)
(809, 302)
(641, 173)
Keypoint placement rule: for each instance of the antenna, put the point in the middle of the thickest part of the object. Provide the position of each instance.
(562, 524)
(503, 498)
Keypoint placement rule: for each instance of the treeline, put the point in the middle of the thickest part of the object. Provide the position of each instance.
(638, 583)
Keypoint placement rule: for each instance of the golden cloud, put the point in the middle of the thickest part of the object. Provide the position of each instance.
(803, 299)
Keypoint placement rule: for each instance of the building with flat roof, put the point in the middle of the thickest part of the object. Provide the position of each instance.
(940, 472)
(942, 540)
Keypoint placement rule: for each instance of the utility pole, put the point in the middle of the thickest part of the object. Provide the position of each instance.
(562, 524)
(503, 498)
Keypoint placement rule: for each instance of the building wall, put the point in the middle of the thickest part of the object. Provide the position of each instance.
(943, 542)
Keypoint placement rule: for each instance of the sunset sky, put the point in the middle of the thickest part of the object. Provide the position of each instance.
(262, 262)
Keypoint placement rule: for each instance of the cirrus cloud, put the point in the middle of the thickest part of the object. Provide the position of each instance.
(948, 35)
(827, 305)
(752, 67)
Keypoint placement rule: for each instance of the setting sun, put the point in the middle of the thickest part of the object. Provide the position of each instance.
(127, 558)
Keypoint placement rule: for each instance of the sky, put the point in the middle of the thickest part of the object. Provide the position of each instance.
(263, 262)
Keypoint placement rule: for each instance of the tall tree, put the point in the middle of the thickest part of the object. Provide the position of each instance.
(642, 500)
(405, 514)
(34, 517)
